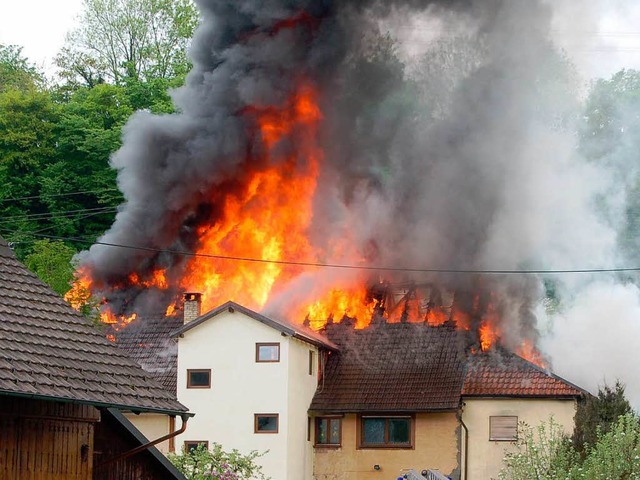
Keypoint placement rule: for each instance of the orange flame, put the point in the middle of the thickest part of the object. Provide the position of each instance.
(528, 351)
(267, 221)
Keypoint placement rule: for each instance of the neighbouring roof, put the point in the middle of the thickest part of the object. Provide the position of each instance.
(395, 367)
(148, 341)
(391, 367)
(298, 331)
(49, 351)
(499, 373)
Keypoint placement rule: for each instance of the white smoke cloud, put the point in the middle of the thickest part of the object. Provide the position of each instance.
(594, 339)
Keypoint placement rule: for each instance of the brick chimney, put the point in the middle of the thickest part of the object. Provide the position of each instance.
(192, 306)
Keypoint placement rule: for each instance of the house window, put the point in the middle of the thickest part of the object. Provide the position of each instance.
(328, 431)
(386, 432)
(191, 445)
(503, 429)
(311, 355)
(199, 378)
(267, 352)
(265, 423)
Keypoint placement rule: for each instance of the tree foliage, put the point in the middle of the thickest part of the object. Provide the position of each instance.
(128, 39)
(16, 73)
(216, 464)
(598, 414)
(52, 262)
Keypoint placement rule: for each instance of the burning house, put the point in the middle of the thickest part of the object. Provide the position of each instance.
(345, 402)
(315, 181)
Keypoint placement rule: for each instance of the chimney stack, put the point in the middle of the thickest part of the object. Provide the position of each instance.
(192, 306)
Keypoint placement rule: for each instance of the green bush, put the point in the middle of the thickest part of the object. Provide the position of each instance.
(216, 464)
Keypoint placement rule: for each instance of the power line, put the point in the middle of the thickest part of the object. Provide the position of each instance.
(349, 266)
(69, 194)
(44, 216)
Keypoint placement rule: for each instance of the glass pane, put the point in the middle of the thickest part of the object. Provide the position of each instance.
(373, 430)
(322, 430)
(399, 429)
(335, 431)
(267, 424)
(268, 353)
(199, 379)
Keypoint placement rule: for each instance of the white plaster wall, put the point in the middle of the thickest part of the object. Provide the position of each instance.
(302, 387)
(484, 456)
(240, 388)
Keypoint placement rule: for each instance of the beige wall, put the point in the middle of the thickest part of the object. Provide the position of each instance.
(484, 456)
(436, 441)
(152, 426)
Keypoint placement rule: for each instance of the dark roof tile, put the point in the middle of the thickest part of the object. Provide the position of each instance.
(49, 350)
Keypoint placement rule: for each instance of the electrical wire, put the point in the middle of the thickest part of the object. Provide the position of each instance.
(379, 268)
(69, 194)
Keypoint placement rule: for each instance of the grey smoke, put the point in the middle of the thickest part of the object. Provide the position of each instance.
(464, 158)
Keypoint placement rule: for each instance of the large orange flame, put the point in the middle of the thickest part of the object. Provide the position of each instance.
(266, 220)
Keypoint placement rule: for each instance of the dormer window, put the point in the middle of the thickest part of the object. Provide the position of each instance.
(267, 352)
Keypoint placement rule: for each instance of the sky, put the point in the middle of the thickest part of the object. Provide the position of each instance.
(39, 26)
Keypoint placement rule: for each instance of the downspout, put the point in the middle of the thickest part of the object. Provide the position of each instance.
(146, 446)
(466, 444)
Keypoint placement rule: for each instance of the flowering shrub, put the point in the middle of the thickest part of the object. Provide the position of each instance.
(545, 453)
(216, 464)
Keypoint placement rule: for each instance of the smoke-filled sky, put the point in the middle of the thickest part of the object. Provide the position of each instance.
(460, 153)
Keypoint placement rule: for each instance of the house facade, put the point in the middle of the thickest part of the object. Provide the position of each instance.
(250, 380)
(349, 404)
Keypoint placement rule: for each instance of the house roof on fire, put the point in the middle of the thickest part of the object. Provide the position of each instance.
(395, 367)
(49, 351)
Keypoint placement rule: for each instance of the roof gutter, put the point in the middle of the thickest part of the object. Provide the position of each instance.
(131, 408)
(185, 418)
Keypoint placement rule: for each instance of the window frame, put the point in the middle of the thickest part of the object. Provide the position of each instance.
(270, 415)
(198, 370)
(267, 344)
(197, 443)
(330, 418)
(386, 445)
(493, 438)
(311, 361)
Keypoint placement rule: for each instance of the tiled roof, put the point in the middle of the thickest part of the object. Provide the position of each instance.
(502, 373)
(392, 367)
(48, 350)
(147, 340)
(416, 367)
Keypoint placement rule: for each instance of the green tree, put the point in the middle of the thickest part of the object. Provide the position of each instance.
(615, 455)
(596, 415)
(121, 39)
(51, 261)
(16, 73)
(27, 146)
(216, 464)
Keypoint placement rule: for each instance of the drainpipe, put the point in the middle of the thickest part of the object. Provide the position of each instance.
(466, 444)
(146, 446)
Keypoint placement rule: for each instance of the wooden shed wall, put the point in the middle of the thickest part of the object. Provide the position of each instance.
(44, 440)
